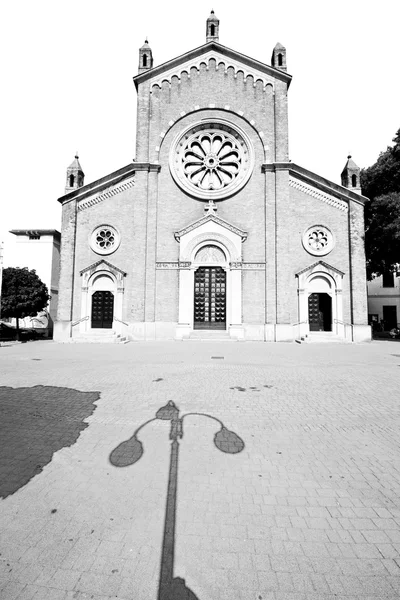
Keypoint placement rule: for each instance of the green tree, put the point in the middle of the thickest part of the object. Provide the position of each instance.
(23, 294)
(381, 183)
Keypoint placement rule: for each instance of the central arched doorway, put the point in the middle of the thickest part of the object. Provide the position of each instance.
(102, 310)
(209, 305)
(209, 298)
(102, 302)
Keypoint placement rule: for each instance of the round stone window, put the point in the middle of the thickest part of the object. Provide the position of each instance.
(104, 239)
(318, 240)
(211, 160)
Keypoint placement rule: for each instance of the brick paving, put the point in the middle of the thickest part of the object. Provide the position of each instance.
(310, 509)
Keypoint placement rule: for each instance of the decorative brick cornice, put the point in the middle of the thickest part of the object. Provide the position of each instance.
(221, 54)
(311, 191)
(223, 62)
(117, 177)
(315, 182)
(113, 191)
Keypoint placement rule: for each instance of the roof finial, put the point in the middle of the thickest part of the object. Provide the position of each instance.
(212, 30)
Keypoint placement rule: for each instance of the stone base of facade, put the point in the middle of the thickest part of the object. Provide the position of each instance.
(160, 330)
(62, 331)
(361, 333)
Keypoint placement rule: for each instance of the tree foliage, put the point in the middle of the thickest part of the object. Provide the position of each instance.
(381, 183)
(23, 293)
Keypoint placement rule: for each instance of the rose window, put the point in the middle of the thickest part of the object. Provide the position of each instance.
(104, 239)
(318, 240)
(211, 161)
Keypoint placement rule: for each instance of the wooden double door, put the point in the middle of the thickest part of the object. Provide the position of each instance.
(102, 310)
(320, 312)
(210, 298)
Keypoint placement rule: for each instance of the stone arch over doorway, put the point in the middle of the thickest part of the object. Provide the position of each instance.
(102, 293)
(207, 281)
(320, 299)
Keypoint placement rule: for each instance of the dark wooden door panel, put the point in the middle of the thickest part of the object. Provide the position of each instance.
(210, 298)
(320, 312)
(102, 310)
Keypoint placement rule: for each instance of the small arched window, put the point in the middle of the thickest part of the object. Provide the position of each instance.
(354, 180)
(280, 60)
(71, 180)
(212, 30)
(145, 60)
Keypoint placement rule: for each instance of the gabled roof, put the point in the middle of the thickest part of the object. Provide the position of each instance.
(325, 185)
(319, 263)
(111, 179)
(218, 49)
(102, 262)
(206, 219)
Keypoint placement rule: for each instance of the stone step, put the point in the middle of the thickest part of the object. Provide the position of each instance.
(208, 335)
(321, 337)
(100, 337)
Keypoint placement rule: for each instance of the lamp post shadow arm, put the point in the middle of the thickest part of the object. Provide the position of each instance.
(130, 451)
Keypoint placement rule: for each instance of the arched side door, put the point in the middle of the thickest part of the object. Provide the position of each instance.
(102, 310)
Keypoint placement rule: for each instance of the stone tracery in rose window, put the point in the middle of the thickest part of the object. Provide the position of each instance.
(318, 240)
(105, 239)
(212, 160)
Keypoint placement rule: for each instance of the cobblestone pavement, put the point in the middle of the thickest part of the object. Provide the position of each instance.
(309, 509)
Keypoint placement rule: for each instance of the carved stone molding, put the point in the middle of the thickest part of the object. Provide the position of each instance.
(249, 266)
(215, 219)
(220, 62)
(167, 265)
(211, 238)
(113, 191)
(311, 191)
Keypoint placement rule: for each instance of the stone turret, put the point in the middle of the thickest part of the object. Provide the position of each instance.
(212, 32)
(351, 176)
(145, 57)
(278, 58)
(75, 176)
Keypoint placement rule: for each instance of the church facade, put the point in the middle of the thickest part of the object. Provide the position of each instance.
(211, 228)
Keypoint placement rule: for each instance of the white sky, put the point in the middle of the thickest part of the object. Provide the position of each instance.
(67, 84)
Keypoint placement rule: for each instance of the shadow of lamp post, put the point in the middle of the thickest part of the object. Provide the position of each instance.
(129, 452)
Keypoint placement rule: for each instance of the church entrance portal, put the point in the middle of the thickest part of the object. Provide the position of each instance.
(210, 298)
(320, 312)
(102, 310)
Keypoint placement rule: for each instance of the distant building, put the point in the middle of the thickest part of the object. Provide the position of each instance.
(39, 249)
(212, 227)
(384, 301)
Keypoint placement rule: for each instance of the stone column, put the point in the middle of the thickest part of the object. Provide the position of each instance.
(186, 299)
(150, 265)
(270, 253)
(358, 278)
(285, 283)
(281, 122)
(63, 325)
(236, 329)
